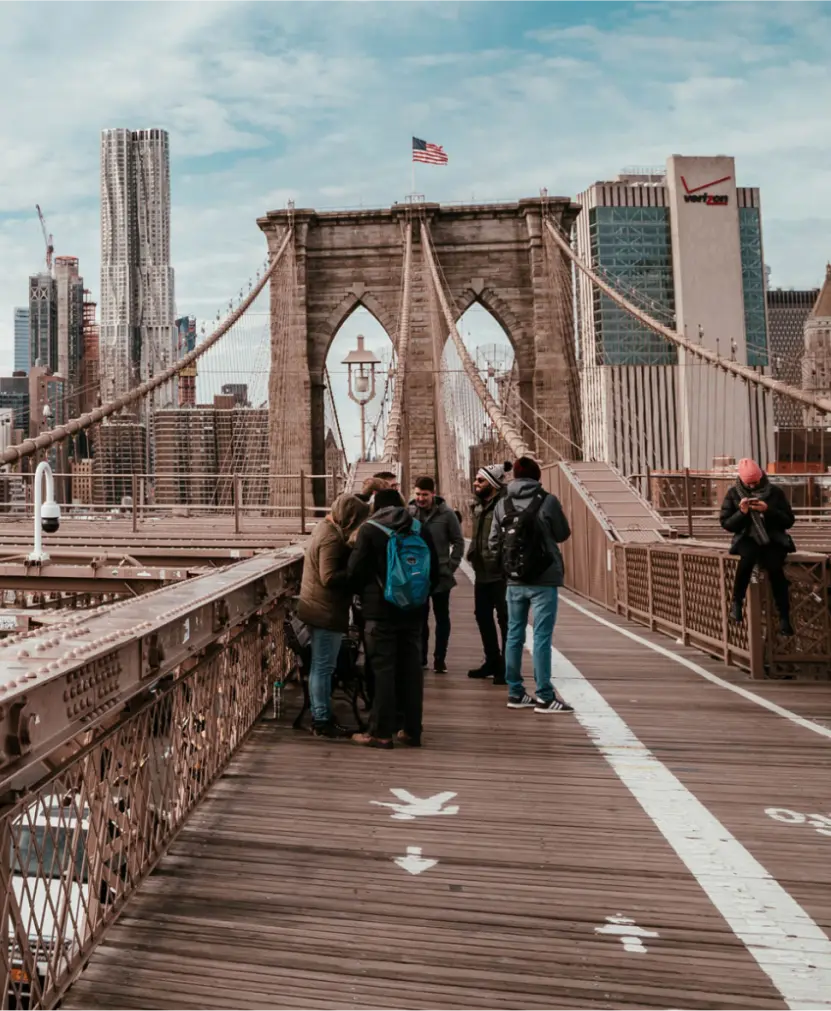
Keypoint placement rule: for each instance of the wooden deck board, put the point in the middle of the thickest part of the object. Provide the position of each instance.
(281, 891)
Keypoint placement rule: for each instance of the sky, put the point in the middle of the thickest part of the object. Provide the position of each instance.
(317, 102)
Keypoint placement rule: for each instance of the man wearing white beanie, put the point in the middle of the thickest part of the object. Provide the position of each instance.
(490, 586)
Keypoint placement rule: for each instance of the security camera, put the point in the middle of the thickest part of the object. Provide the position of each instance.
(50, 517)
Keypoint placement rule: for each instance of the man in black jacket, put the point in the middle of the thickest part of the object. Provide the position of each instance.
(490, 588)
(392, 636)
(759, 516)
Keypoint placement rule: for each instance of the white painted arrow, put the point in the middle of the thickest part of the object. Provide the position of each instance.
(412, 807)
(414, 862)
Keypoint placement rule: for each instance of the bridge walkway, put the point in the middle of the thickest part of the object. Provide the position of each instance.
(684, 798)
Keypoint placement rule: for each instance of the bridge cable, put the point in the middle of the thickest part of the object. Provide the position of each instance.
(46, 439)
(713, 358)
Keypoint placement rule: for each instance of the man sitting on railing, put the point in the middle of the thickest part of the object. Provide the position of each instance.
(759, 516)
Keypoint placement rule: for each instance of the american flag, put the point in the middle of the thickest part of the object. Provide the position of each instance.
(432, 154)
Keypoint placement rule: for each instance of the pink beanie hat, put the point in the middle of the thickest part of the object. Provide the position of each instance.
(749, 471)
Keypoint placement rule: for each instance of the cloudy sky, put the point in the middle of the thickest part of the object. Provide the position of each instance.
(318, 101)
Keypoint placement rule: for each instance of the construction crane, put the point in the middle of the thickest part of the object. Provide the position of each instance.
(47, 239)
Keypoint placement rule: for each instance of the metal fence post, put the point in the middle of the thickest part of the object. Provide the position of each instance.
(688, 497)
(755, 629)
(135, 488)
(237, 496)
(302, 502)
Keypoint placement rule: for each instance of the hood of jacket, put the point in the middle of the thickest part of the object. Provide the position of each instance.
(395, 518)
(522, 490)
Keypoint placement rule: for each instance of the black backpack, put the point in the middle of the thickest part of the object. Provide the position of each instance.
(525, 554)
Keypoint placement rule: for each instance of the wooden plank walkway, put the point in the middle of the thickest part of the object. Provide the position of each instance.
(282, 890)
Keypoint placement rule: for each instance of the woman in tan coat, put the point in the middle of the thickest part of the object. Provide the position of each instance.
(324, 603)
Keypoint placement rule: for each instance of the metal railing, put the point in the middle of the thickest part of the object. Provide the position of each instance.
(686, 592)
(136, 715)
(149, 497)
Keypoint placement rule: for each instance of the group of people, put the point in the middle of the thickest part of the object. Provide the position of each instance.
(397, 562)
(356, 555)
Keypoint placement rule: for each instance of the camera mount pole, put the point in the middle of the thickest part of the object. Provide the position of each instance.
(43, 470)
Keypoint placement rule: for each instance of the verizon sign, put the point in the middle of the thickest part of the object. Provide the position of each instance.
(694, 195)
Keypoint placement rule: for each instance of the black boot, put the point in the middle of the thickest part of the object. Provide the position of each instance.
(736, 612)
(481, 672)
(329, 728)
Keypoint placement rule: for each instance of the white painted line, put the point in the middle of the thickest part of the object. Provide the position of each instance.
(789, 947)
(786, 943)
(759, 700)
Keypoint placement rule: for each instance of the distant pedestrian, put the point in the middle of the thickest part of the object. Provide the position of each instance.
(759, 515)
(489, 590)
(392, 632)
(324, 604)
(440, 520)
(528, 527)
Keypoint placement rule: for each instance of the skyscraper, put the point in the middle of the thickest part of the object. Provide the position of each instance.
(70, 295)
(137, 332)
(684, 245)
(21, 340)
(43, 321)
(787, 313)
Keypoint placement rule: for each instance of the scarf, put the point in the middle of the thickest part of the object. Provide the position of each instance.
(758, 530)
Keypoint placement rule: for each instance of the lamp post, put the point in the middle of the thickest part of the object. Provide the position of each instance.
(362, 382)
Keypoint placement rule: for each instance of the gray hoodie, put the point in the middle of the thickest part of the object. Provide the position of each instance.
(551, 516)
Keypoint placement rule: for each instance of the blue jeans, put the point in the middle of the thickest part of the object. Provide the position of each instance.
(325, 649)
(543, 600)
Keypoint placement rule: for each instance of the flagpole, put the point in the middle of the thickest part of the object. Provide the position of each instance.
(412, 174)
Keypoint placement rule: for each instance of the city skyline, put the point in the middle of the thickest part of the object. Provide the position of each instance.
(276, 116)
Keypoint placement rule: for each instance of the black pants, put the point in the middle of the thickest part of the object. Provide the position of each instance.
(770, 557)
(490, 599)
(441, 611)
(399, 681)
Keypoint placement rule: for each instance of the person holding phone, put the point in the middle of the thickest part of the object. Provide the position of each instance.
(759, 515)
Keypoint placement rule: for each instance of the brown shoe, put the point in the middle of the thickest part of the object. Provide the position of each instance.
(368, 741)
(405, 738)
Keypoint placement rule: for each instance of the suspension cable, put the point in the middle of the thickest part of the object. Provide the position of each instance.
(79, 424)
(745, 372)
(392, 441)
(506, 430)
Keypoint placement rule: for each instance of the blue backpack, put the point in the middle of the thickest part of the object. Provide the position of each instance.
(408, 567)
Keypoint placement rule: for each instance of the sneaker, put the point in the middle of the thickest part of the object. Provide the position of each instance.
(329, 728)
(736, 612)
(521, 702)
(785, 627)
(556, 705)
(439, 668)
(480, 672)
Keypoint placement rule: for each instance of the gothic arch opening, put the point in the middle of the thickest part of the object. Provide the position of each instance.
(359, 322)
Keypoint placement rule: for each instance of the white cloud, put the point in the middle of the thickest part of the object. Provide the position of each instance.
(317, 102)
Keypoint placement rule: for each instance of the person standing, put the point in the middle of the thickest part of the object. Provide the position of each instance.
(392, 634)
(489, 588)
(440, 520)
(759, 515)
(528, 526)
(324, 604)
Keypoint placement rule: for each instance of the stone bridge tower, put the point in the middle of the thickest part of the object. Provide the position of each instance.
(493, 254)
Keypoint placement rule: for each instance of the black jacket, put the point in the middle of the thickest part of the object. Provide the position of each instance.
(779, 518)
(484, 560)
(367, 568)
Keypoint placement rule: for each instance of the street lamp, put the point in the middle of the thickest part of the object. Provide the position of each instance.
(362, 383)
